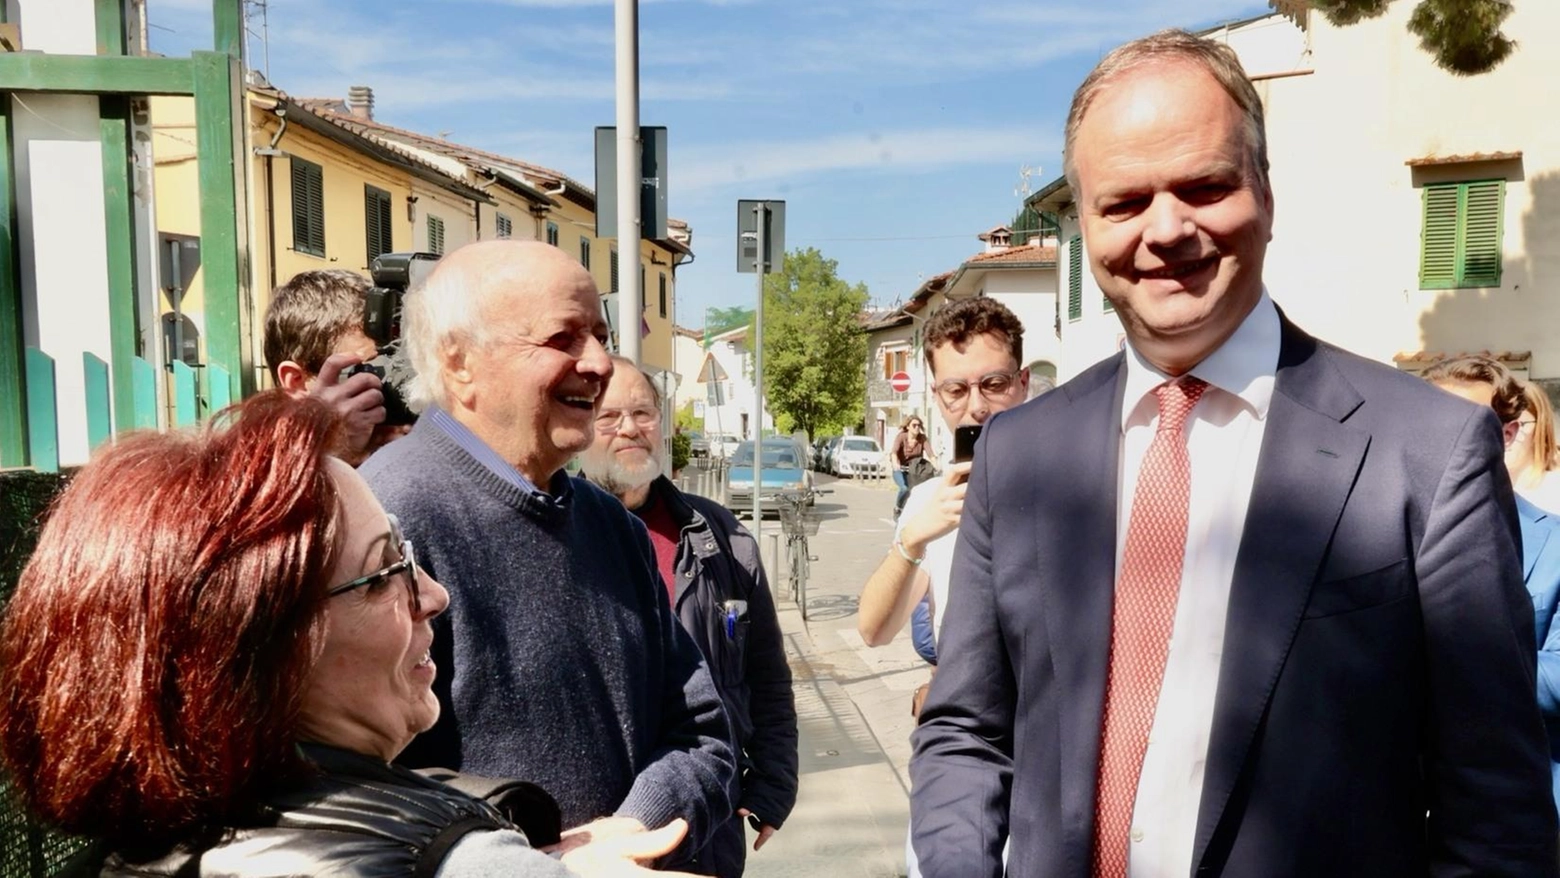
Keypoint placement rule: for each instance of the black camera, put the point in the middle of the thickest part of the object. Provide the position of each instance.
(394, 274)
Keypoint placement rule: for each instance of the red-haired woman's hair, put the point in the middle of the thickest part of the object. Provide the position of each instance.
(153, 657)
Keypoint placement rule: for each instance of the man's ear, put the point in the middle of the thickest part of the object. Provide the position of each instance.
(459, 377)
(293, 378)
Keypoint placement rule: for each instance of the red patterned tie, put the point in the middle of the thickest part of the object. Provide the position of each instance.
(1143, 616)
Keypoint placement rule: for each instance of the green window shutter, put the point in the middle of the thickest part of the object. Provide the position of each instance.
(613, 274)
(585, 252)
(1460, 242)
(1482, 210)
(308, 207)
(1438, 239)
(1075, 278)
(506, 226)
(435, 235)
(662, 276)
(552, 233)
(376, 220)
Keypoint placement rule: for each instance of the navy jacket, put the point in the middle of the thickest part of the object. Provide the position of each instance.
(718, 562)
(1375, 713)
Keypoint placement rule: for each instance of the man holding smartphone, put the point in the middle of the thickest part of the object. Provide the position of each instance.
(973, 349)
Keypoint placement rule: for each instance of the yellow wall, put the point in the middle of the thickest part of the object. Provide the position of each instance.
(575, 221)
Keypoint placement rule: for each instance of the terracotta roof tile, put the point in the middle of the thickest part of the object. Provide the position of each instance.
(1431, 160)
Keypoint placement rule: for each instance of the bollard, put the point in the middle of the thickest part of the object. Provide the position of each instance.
(774, 559)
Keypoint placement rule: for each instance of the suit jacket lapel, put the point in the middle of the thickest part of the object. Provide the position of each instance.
(1080, 587)
(1534, 535)
(1305, 471)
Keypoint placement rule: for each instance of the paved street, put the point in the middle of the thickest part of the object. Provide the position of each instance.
(852, 703)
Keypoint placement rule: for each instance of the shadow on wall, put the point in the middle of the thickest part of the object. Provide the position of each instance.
(1522, 314)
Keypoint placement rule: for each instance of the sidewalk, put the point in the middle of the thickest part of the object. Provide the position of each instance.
(852, 706)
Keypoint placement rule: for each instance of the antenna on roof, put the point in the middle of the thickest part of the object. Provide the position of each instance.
(263, 9)
(1022, 190)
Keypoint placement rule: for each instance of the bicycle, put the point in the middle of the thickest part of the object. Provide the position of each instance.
(799, 520)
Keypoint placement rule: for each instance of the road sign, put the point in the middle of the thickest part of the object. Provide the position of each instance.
(748, 236)
(652, 182)
(900, 382)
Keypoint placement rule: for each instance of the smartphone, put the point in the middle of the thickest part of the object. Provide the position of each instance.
(964, 443)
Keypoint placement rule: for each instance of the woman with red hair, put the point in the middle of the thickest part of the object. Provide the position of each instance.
(218, 646)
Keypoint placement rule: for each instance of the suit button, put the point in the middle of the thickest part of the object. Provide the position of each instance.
(1137, 835)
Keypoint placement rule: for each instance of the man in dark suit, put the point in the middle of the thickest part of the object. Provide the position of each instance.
(1233, 602)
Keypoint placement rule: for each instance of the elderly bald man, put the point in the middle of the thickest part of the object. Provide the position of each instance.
(559, 659)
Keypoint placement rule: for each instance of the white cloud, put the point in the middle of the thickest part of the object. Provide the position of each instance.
(713, 166)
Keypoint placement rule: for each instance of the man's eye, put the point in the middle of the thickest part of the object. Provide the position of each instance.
(1207, 193)
(1123, 209)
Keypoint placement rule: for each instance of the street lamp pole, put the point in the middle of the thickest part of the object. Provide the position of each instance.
(628, 179)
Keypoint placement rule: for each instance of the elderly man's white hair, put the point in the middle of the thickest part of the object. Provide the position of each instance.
(451, 305)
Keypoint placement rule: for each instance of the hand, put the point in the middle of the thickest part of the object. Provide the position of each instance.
(618, 850)
(764, 829)
(941, 516)
(358, 400)
(598, 832)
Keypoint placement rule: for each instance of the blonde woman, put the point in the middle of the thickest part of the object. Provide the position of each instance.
(1531, 456)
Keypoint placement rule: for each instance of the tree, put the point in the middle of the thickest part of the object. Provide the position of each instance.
(1463, 35)
(719, 320)
(1030, 223)
(814, 350)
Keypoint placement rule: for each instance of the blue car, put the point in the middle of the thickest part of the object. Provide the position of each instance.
(784, 469)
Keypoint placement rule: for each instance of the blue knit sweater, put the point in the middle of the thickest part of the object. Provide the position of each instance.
(559, 660)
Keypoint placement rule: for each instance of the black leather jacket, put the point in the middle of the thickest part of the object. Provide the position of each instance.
(357, 817)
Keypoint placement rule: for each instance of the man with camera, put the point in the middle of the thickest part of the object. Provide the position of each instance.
(316, 345)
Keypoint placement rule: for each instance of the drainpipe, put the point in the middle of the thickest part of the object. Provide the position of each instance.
(476, 206)
(270, 153)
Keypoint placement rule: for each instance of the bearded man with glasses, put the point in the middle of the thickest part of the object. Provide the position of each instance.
(710, 566)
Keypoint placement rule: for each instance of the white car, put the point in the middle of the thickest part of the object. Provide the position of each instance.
(859, 456)
(723, 445)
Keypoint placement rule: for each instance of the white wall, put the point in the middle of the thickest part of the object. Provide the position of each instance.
(62, 233)
(1031, 296)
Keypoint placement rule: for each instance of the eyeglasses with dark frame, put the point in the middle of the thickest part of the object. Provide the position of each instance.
(955, 392)
(407, 565)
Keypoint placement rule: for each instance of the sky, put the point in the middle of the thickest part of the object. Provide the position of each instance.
(894, 130)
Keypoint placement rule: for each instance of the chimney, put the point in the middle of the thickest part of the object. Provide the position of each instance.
(360, 102)
(997, 239)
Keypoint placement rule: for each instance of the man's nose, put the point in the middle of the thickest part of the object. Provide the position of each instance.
(1168, 221)
(595, 360)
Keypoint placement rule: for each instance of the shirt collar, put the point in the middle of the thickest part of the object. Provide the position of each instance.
(1244, 366)
(481, 451)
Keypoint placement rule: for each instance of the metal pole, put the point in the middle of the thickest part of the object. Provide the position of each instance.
(758, 380)
(628, 178)
(774, 563)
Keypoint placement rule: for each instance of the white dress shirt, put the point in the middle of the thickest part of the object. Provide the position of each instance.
(1224, 436)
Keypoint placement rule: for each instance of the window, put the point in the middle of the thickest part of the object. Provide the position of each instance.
(1460, 243)
(506, 226)
(552, 233)
(894, 361)
(1075, 278)
(612, 275)
(308, 207)
(644, 298)
(662, 276)
(585, 252)
(376, 218)
(435, 235)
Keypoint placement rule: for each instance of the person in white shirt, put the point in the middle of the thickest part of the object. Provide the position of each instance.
(1231, 602)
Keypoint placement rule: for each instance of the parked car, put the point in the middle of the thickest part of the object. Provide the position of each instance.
(820, 457)
(783, 470)
(698, 445)
(859, 456)
(723, 444)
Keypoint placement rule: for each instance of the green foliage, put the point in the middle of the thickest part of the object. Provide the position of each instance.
(719, 320)
(684, 418)
(1030, 223)
(1464, 36)
(814, 351)
(681, 446)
